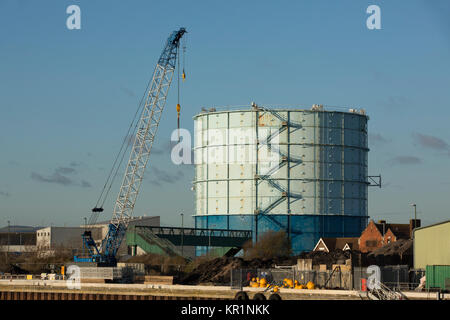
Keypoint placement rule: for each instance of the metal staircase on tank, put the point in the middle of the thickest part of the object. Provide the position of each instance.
(285, 159)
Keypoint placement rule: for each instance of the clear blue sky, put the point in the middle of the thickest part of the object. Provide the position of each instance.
(67, 96)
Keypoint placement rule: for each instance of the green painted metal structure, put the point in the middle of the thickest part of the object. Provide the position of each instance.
(438, 277)
(163, 240)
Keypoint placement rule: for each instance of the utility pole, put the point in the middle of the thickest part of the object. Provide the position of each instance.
(182, 234)
(85, 228)
(7, 248)
(415, 217)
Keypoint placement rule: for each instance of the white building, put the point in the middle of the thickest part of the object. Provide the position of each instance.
(50, 239)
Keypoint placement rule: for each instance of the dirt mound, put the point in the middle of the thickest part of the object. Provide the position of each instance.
(13, 269)
(218, 271)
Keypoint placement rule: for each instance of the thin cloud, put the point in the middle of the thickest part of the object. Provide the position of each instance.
(377, 139)
(56, 178)
(397, 102)
(85, 184)
(75, 164)
(65, 170)
(157, 151)
(128, 92)
(405, 160)
(60, 176)
(431, 142)
(159, 176)
(5, 194)
(13, 163)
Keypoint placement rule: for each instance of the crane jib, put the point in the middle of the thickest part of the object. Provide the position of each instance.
(140, 152)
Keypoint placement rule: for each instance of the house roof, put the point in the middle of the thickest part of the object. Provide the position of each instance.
(401, 231)
(339, 243)
(399, 247)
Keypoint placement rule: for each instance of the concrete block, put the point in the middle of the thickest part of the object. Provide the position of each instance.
(158, 280)
(92, 280)
(304, 264)
(344, 268)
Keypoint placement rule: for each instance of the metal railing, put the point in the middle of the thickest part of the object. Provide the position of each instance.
(276, 107)
(157, 230)
(394, 278)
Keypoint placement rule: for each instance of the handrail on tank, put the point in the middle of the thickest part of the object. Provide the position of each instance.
(278, 107)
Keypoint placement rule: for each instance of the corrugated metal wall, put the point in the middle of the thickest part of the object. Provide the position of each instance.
(432, 245)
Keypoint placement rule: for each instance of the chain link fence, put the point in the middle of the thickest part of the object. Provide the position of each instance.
(322, 279)
(395, 277)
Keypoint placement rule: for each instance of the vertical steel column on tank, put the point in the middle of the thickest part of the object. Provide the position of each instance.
(322, 191)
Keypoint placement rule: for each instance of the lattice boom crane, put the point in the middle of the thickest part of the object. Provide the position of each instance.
(143, 141)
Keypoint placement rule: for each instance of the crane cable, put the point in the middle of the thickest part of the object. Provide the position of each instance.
(183, 75)
(125, 143)
(178, 95)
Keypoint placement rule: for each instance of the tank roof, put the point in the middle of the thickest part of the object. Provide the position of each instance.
(250, 108)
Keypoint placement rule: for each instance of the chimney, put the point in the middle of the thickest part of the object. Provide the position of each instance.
(412, 225)
(383, 222)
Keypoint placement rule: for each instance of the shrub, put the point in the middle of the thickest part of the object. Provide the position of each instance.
(270, 245)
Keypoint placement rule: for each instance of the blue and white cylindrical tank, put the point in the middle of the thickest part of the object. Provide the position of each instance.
(302, 171)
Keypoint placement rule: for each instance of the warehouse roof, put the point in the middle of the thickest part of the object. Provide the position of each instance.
(19, 229)
(433, 225)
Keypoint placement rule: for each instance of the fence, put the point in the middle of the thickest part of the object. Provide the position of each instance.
(394, 277)
(323, 279)
(8, 276)
(398, 277)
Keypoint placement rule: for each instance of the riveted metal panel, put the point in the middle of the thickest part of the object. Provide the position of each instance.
(217, 171)
(241, 188)
(241, 119)
(217, 120)
(241, 171)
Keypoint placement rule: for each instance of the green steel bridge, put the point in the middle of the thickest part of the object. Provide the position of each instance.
(156, 239)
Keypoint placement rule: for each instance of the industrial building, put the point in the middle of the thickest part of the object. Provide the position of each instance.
(51, 238)
(432, 245)
(18, 239)
(299, 170)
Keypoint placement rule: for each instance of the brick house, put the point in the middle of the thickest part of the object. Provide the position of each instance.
(379, 234)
